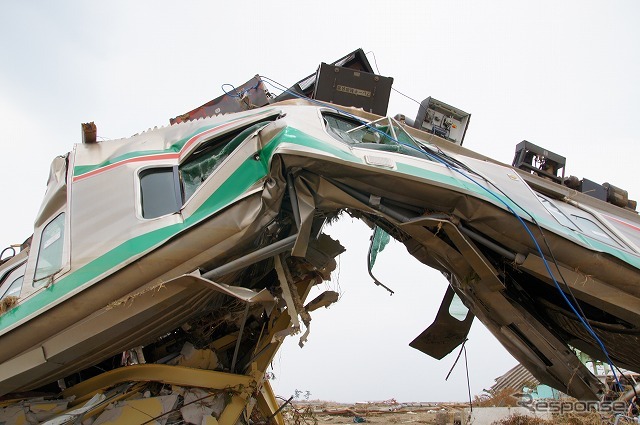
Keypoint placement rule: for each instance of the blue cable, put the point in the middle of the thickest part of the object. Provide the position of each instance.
(585, 324)
(436, 158)
(238, 94)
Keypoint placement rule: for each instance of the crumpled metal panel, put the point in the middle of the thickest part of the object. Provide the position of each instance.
(249, 95)
(446, 332)
(138, 411)
(56, 195)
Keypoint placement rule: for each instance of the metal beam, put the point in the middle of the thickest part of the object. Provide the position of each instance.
(268, 405)
(174, 375)
(258, 255)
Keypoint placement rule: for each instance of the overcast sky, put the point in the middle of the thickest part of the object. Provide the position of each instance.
(562, 75)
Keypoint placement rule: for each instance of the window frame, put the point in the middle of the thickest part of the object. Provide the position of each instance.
(610, 239)
(11, 277)
(414, 148)
(30, 285)
(545, 200)
(63, 252)
(215, 140)
(11, 285)
(574, 217)
(178, 187)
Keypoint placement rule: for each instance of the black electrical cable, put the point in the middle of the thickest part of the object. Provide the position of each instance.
(273, 415)
(392, 88)
(466, 366)
(463, 348)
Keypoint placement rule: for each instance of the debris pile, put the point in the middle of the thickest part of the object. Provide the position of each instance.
(131, 403)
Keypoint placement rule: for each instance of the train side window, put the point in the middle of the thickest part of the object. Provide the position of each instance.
(160, 191)
(207, 158)
(557, 214)
(51, 249)
(594, 230)
(457, 309)
(14, 288)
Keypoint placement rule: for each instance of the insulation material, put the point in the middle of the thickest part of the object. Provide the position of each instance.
(33, 411)
(199, 359)
(71, 415)
(200, 404)
(13, 415)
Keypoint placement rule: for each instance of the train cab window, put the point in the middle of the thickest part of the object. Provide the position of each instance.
(384, 134)
(339, 125)
(160, 191)
(51, 249)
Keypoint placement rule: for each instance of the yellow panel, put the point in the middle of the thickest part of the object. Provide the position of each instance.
(268, 404)
(133, 412)
(225, 341)
(232, 411)
(174, 375)
(209, 420)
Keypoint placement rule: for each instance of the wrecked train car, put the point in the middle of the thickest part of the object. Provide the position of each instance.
(206, 236)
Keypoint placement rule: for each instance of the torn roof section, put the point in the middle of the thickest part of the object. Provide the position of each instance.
(515, 378)
(254, 94)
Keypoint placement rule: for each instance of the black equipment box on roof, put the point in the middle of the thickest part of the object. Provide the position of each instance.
(356, 60)
(344, 86)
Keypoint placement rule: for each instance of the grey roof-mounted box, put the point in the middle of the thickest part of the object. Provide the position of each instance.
(349, 87)
(443, 120)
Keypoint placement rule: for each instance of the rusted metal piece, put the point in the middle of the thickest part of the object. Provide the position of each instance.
(89, 132)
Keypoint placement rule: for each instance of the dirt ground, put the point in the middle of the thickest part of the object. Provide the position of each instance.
(381, 413)
(393, 413)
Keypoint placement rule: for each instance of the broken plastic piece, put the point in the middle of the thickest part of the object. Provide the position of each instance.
(379, 241)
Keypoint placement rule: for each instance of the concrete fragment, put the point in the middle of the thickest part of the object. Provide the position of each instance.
(441, 418)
